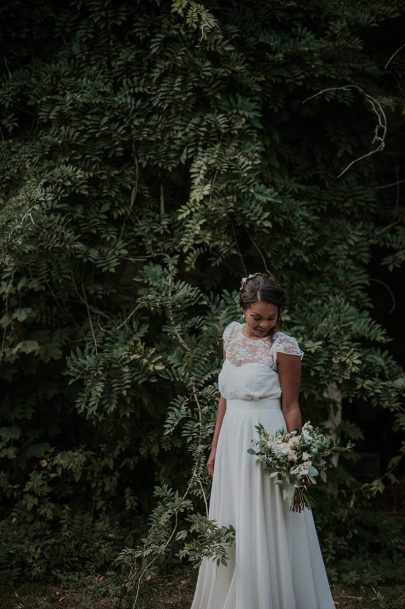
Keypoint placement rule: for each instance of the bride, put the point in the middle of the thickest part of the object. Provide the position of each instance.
(276, 562)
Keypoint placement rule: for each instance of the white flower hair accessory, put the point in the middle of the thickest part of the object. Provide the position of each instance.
(244, 280)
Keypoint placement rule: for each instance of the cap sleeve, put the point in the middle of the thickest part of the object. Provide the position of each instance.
(230, 328)
(286, 344)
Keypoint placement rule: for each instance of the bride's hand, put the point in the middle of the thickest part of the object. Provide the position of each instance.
(211, 462)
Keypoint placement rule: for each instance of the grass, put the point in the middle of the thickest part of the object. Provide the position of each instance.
(93, 592)
(170, 592)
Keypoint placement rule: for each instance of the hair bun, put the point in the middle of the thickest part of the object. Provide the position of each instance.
(261, 287)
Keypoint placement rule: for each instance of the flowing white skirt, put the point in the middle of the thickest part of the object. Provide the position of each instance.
(276, 562)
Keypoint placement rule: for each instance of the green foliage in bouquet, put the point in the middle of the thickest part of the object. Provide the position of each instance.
(152, 153)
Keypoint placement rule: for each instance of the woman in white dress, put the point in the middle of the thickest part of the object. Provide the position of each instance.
(276, 561)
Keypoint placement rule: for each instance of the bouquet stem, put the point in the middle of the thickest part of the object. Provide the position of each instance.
(302, 498)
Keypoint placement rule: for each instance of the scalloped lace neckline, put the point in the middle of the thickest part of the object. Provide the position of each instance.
(268, 338)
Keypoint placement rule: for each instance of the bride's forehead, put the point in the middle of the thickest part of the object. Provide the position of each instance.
(262, 308)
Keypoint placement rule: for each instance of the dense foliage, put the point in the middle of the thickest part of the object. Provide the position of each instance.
(152, 153)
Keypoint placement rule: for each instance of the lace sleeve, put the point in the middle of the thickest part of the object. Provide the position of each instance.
(228, 333)
(286, 344)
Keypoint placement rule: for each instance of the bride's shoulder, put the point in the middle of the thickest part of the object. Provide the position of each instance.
(230, 329)
(284, 343)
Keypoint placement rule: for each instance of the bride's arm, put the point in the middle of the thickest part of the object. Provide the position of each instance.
(220, 415)
(221, 408)
(289, 372)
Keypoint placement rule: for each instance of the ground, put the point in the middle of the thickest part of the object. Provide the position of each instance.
(174, 592)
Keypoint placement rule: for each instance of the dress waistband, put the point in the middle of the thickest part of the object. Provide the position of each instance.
(259, 404)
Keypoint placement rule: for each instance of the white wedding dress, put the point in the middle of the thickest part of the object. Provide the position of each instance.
(276, 561)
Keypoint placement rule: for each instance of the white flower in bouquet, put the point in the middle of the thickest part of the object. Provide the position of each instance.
(283, 448)
(293, 441)
(292, 456)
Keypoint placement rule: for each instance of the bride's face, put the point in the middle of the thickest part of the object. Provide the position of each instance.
(260, 318)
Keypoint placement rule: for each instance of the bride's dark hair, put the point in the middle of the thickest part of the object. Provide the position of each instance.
(261, 288)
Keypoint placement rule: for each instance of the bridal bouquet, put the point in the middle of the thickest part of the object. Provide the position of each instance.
(295, 460)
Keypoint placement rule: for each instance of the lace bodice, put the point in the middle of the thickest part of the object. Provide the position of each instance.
(250, 367)
(241, 350)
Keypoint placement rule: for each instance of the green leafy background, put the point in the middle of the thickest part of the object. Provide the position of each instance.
(152, 154)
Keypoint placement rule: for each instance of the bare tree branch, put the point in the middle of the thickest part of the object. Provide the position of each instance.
(7, 68)
(90, 320)
(258, 251)
(245, 273)
(390, 185)
(380, 130)
(392, 56)
(387, 287)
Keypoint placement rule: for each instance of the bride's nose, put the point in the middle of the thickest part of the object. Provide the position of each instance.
(265, 326)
